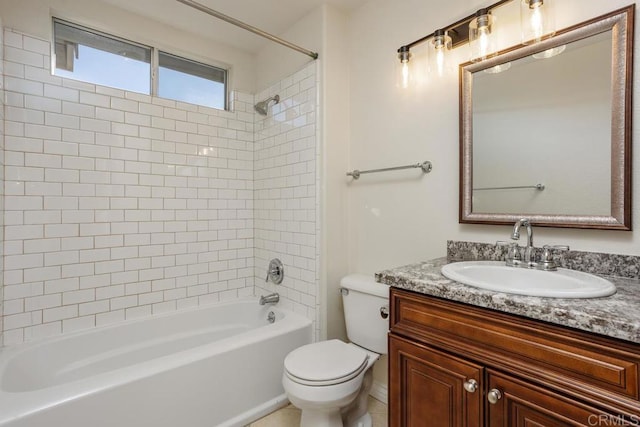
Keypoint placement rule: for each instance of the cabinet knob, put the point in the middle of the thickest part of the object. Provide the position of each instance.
(471, 385)
(494, 395)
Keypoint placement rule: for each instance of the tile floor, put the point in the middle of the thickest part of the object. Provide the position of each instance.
(289, 416)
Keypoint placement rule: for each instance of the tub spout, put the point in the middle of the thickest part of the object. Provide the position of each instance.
(269, 299)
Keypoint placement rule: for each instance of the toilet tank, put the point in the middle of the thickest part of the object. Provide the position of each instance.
(366, 308)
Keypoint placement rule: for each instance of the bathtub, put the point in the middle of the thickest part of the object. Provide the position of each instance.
(214, 366)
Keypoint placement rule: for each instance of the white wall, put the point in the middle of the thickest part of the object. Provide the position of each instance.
(404, 217)
(33, 17)
(335, 111)
(275, 61)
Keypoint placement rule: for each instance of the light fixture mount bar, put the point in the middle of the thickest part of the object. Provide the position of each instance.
(458, 31)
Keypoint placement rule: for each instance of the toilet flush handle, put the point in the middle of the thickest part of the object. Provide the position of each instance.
(384, 311)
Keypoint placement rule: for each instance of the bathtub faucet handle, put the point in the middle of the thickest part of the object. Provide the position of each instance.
(275, 271)
(269, 299)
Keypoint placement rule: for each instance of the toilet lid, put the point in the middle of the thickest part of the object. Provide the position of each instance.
(325, 363)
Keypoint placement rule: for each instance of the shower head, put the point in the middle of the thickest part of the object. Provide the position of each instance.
(262, 107)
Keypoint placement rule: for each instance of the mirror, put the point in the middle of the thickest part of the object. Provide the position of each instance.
(545, 130)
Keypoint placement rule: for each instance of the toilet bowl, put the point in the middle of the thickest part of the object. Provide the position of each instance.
(325, 379)
(330, 380)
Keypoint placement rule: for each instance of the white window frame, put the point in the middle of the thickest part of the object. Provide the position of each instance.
(154, 63)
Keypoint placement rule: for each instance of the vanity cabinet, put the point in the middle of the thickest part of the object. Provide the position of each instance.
(428, 387)
(453, 364)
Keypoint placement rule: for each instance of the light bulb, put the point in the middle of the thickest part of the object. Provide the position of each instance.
(480, 38)
(440, 60)
(403, 72)
(405, 75)
(438, 57)
(537, 25)
(537, 20)
(483, 41)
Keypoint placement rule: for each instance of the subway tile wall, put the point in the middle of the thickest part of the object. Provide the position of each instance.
(1, 177)
(286, 192)
(120, 205)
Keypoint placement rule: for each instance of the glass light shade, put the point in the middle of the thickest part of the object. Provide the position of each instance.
(550, 53)
(481, 41)
(498, 68)
(537, 20)
(404, 73)
(439, 62)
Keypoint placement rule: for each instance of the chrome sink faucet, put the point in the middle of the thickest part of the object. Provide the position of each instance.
(512, 257)
(515, 235)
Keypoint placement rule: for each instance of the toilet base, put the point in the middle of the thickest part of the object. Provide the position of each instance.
(357, 413)
(321, 419)
(364, 421)
(334, 418)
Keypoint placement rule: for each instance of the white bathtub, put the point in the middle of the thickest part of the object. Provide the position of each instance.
(214, 366)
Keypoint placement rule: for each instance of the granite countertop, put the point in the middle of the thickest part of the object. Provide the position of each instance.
(617, 316)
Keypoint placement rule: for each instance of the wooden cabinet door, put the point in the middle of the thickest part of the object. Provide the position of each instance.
(427, 387)
(523, 405)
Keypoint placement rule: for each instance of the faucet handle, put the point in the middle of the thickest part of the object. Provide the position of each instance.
(546, 263)
(513, 254)
(546, 255)
(275, 271)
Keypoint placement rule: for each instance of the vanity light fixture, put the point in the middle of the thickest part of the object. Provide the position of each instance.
(536, 20)
(477, 29)
(457, 34)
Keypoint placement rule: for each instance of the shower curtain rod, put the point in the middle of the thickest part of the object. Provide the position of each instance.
(247, 27)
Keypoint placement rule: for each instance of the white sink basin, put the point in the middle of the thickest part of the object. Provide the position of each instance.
(496, 276)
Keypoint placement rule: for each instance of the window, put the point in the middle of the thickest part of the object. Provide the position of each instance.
(189, 81)
(85, 55)
(95, 57)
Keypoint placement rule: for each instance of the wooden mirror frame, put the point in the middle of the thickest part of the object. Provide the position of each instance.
(621, 24)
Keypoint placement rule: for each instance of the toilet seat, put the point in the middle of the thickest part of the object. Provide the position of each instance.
(325, 363)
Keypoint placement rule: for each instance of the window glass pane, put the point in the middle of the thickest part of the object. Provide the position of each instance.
(96, 58)
(193, 82)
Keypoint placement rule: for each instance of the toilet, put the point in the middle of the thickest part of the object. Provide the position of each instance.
(329, 381)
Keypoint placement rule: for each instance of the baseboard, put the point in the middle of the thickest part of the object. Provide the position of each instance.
(380, 391)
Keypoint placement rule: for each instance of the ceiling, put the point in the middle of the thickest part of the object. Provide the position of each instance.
(272, 16)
